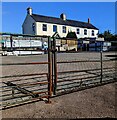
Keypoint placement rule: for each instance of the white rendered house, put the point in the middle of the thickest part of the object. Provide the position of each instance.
(44, 25)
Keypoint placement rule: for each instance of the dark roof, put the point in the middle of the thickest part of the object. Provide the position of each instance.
(71, 35)
(47, 19)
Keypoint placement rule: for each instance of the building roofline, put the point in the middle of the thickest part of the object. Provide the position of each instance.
(55, 20)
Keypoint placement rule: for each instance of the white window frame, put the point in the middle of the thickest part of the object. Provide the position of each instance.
(78, 30)
(64, 29)
(44, 27)
(54, 28)
(92, 32)
(85, 31)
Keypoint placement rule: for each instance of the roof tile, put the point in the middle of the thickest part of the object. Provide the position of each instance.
(47, 19)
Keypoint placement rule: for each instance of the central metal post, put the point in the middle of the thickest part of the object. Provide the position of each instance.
(55, 65)
(11, 43)
(49, 68)
(101, 60)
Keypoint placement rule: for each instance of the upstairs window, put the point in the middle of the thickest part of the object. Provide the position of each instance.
(33, 27)
(54, 28)
(44, 27)
(64, 29)
(92, 32)
(78, 31)
(85, 32)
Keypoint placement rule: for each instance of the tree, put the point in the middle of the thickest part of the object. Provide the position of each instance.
(100, 35)
(108, 36)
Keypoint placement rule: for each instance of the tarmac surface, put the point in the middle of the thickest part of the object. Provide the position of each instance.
(28, 69)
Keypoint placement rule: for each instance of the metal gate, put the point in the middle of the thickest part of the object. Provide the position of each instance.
(22, 80)
(61, 71)
(72, 71)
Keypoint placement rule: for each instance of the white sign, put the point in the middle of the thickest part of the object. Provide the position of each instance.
(87, 42)
(23, 43)
(99, 39)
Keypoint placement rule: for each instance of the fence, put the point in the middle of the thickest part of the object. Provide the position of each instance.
(27, 79)
(78, 72)
(19, 83)
(16, 44)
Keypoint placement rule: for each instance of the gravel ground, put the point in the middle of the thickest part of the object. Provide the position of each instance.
(96, 102)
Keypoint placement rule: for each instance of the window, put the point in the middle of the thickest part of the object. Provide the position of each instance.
(78, 31)
(44, 27)
(33, 27)
(85, 32)
(92, 32)
(54, 28)
(64, 29)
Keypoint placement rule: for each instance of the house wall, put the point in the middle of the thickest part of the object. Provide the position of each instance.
(27, 25)
(50, 32)
(28, 29)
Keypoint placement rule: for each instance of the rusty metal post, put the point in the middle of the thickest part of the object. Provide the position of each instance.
(11, 43)
(52, 65)
(101, 60)
(55, 65)
(49, 68)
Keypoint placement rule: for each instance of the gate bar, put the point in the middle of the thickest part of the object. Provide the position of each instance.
(49, 69)
(55, 65)
(101, 62)
(23, 90)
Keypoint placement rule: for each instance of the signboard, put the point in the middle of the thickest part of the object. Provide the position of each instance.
(86, 42)
(23, 43)
(99, 39)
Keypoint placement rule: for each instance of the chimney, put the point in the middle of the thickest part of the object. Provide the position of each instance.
(89, 20)
(29, 10)
(63, 16)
